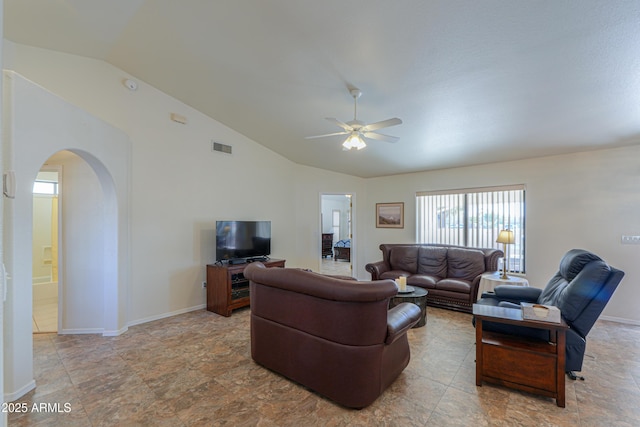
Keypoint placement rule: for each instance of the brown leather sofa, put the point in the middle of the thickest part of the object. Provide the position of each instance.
(334, 336)
(451, 274)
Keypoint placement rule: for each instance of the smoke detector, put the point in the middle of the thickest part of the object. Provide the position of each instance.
(130, 84)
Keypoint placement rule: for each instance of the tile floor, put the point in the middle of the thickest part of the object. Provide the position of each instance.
(195, 369)
(341, 267)
(45, 315)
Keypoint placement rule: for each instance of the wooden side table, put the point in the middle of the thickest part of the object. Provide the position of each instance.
(488, 281)
(517, 362)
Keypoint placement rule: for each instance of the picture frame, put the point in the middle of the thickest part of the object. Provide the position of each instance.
(390, 215)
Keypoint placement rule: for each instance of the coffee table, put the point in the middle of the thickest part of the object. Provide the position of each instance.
(418, 296)
(517, 362)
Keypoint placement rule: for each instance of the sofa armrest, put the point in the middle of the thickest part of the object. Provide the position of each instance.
(377, 268)
(491, 258)
(400, 319)
(516, 294)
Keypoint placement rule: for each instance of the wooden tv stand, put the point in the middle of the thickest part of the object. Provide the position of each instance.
(521, 363)
(227, 289)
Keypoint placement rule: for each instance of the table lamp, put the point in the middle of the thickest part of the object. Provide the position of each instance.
(506, 238)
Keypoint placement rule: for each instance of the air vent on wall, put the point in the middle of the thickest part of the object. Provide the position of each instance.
(216, 146)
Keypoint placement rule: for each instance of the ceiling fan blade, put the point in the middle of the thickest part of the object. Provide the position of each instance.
(383, 124)
(327, 134)
(381, 137)
(338, 123)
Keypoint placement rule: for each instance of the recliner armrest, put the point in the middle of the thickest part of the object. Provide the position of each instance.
(516, 294)
(400, 319)
(377, 268)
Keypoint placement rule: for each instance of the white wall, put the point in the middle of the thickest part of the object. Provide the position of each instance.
(585, 200)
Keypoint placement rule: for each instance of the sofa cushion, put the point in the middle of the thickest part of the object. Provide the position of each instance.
(432, 260)
(464, 264)
(423, 280)
(393, 274)
(454, 285)
(404, 258)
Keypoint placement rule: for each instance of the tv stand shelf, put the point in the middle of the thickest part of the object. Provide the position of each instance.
(227, 289)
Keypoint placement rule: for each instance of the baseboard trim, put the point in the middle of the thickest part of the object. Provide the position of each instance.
(621, 320)
(118, 332)
(10, 397)
(165, 315)
(81, 331)
(115, 333)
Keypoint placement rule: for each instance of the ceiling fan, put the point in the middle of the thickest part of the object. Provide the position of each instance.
(358, 130)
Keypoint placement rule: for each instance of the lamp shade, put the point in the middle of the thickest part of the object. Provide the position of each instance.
(506, 237)
(354, 141)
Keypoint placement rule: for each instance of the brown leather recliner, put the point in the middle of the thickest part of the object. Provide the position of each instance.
(334, 336)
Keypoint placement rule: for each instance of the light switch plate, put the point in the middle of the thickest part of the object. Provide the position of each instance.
(630, 240)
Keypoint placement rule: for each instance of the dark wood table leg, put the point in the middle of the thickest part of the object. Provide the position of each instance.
(478, 352)
(560, 348)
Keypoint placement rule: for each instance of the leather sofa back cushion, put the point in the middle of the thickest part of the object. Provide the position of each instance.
(432, 260)
(464, 263)
(404, 258)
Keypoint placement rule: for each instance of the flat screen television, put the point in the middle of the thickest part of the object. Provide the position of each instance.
(237, 240)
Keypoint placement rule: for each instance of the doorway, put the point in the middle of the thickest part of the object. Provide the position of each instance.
(336, 234)
(45, 249)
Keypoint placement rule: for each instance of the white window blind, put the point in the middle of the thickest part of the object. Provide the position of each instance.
(474, 218)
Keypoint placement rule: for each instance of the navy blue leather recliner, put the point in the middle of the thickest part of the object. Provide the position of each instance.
(581, 289)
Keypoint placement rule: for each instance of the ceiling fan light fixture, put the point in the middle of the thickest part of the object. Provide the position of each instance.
(354, 141)
(358, 130)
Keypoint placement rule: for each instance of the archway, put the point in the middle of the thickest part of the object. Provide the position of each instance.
(88, 226)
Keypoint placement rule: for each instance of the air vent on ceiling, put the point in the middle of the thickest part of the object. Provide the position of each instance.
(216, 146)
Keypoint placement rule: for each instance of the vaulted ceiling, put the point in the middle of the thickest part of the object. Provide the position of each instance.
(473, 81)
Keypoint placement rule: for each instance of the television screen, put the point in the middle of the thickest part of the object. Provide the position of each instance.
(242, 239)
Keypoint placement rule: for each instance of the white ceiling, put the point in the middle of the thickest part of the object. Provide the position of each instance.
(474, 81)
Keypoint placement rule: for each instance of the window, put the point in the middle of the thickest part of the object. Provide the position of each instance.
(45, 187)
(335, 225)
(474, 217)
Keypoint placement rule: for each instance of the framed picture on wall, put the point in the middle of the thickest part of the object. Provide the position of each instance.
(390, 215)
